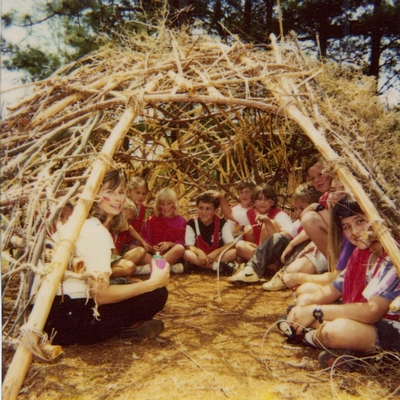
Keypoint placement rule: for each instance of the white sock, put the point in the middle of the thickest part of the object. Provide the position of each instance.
(215, 266)
(142, 269)
(309, 337)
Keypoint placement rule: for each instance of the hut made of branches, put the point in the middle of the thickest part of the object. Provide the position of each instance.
(203, 115)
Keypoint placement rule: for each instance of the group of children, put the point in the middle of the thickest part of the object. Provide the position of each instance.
(322, 256)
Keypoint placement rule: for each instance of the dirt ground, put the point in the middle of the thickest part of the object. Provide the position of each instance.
(220, 342)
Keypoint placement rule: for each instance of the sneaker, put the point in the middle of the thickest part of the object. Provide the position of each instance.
(177, 268)
(343, 360)
(276, 283)
(226, 269)
(285, 328)
(245, 275)
(299, 339)
(142, 269)
(147, 330)
(291, 336)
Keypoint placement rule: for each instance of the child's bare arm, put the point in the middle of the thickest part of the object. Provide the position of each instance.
(300, 238)
(135, 235)
(225, 207)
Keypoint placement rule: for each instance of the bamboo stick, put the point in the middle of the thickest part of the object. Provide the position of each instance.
(54, 109)
(37, 319)
(344, 174)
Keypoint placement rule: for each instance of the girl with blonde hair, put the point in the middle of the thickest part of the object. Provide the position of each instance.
(165, 230)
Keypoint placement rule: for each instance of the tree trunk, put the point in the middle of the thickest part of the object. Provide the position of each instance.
(269, 8)
(247, 16)
(376, 37)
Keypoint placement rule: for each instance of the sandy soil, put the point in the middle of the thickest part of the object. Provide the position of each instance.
(220, 342)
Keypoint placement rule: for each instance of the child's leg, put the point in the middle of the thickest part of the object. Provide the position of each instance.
(245, 250)
(316, 225)
(343, 333)
(147, 259)
(174, 254)
(308, 287)
(136, 255)
(269, 252)
(194, 259)
(122, 268)
(302, 264)
(229, 255)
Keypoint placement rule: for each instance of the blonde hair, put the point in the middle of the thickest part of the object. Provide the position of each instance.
(166, 194)
(130, 205)
(307, 193)
(137, 181)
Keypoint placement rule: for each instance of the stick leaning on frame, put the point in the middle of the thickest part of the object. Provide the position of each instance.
(344, 174)
(37, 319)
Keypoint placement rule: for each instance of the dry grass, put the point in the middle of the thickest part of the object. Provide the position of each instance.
(225, 348)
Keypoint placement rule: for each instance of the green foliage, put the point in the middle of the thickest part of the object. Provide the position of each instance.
(34, 61)
(365, 31)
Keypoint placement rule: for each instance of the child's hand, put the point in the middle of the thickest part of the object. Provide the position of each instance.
(203, 259)
(247, 229)
(301, 317)
(289, 279)
(311, 247)
(159, 277)
(210, 259)
(261, 218)
(214, 193)
(146, 246)
(163, 247)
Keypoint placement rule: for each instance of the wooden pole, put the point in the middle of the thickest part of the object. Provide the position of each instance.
(48, 289)
(344, 174)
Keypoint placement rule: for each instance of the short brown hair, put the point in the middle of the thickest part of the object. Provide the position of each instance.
(206, 198)
(266, 190)
(245, 183)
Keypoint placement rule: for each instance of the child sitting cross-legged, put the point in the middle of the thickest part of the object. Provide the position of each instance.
(238, 213)
(126, 259)
(300, 276)
(363, 321)
(270, 251)
(137, 192)
(165, 230)
(263, 220)
(207, 236)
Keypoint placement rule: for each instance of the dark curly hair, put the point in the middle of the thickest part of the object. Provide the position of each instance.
(206, 198)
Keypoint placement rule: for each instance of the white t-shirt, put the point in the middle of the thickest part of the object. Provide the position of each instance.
(226, 234)
(240, 214)
(284, 221)
(93, 246)
(295, 228)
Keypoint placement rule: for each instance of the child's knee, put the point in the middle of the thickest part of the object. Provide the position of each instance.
(332, 334)
(311, 218)
(179, 250)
